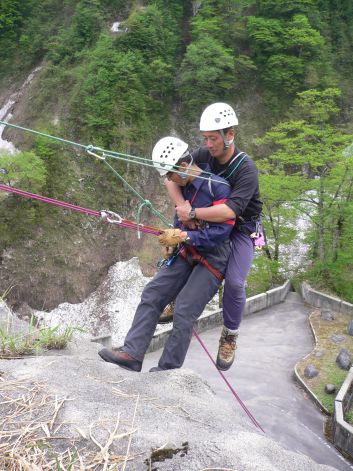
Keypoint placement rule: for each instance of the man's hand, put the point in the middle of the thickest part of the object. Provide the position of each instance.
(183, 211)
(172, 237)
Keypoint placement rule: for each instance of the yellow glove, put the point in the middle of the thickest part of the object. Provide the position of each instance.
(170, 237)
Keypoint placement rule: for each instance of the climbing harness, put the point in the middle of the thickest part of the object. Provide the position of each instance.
(186, 250)
(235, 166)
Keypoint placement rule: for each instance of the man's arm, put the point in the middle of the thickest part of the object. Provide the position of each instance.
(217, 213)
(241, 194)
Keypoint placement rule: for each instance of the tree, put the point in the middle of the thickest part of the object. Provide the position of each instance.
(17, 215)
(206, 74)
(310, 153)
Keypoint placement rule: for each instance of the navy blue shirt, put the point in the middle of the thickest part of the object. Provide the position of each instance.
(203, 193)
(241, 172)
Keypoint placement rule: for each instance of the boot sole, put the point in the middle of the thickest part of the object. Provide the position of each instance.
(106, 356)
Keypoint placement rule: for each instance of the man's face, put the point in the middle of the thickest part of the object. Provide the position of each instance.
(214, 142)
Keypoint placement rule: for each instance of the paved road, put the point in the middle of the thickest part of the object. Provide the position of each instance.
(270, 344)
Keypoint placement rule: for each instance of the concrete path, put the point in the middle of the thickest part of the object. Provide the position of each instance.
(270, 344)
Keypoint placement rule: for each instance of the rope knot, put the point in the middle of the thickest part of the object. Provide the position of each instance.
(148, 203)
(89, 148)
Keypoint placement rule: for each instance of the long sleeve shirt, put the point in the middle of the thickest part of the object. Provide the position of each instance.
(242, 175)
(203, 193)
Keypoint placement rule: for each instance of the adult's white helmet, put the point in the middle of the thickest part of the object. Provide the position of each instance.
(167, 152)
(218, 116)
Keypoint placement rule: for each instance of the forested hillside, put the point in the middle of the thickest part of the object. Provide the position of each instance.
(284, 65)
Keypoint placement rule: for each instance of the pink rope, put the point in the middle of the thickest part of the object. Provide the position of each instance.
(124, 223)
(249, 414)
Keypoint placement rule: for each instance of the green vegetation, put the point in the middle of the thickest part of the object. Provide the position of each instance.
(309, 170)
(329, 372)
(34, 341)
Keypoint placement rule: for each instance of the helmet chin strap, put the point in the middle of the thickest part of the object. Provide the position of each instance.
(227, 143)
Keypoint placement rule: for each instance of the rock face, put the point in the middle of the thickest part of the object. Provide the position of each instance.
(11, 323)
(107, 311)
(110, 309)
(174, 410)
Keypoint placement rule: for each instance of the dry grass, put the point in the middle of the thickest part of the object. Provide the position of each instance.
(33, 438)
(329, 372)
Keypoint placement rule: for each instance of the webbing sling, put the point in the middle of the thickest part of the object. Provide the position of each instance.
(197, 257)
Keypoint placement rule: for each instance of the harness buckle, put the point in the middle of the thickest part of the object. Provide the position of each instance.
(111, 217)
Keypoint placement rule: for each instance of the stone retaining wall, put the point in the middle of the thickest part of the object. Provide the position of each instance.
(343, 431)
(342, 434)
(321, 300)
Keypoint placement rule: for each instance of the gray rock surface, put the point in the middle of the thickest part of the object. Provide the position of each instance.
(10, 323)
(336, 338)
(310, 371)
(327, 315)
(343, 359)
(174, 407)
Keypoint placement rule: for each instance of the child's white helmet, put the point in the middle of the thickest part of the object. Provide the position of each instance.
(167, 152)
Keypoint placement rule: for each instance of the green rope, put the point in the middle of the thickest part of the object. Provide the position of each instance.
(145, 202)
(43, 134)
(105, 153)
(117, 155)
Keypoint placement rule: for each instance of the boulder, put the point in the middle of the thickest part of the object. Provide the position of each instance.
(343, 359)
(337, 338)
(327, 315)
(310, 371)
(330, 388)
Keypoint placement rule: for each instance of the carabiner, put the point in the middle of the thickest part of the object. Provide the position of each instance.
(110, 215)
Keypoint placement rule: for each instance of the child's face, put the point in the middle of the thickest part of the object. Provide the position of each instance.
(176, 178)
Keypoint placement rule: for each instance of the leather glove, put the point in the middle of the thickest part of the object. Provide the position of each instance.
(170, 237)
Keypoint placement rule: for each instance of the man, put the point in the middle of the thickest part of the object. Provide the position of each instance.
(217, 126)
(195, 270)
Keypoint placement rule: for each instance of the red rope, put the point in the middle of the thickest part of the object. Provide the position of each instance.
(126, 223)
(249, 414)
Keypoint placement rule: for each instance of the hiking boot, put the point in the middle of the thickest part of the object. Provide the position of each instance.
(120, 358)
(227, 347)
(155, 368)
(167, 314)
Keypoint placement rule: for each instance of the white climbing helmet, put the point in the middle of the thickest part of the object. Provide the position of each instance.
(167, 152)
(218, 116)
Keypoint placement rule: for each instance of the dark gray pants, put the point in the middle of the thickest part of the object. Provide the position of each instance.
(191, 288)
